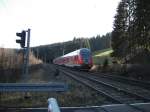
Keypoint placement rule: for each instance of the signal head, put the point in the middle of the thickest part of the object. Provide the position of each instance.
(21, 41)
(22, 34)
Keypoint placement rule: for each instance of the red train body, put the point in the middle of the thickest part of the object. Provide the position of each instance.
(80, 58)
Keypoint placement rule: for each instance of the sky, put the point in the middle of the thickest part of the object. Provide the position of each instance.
(53, 21)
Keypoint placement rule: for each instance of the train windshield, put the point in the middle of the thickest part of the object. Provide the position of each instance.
(85, 54)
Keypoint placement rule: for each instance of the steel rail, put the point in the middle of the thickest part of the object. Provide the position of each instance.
(135, 82)
(114, 87)
(104, 93)
(117, 88)
(89, 85)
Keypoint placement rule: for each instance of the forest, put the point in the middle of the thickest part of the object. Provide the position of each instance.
(48, 52)
(131, 32)
(129, 39)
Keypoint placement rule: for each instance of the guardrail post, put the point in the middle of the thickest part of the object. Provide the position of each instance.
(53, 105)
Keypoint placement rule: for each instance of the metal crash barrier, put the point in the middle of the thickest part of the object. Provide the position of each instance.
(33, 87)
(53, 105)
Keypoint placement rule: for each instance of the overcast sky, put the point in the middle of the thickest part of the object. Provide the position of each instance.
(53, 21)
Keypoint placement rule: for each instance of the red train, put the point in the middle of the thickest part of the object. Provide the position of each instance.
(80, 58)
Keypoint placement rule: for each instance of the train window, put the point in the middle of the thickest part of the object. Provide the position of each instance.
(76, 58)
(67, 59)
(85, 54)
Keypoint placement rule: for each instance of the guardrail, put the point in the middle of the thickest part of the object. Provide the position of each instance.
(32, 87)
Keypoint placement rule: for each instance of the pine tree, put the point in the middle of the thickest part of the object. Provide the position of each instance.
(87, 43)
(131, 33)
(142, 21)
(119, 34)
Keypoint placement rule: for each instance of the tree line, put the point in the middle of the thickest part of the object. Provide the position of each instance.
(48, 52)
(131, 30)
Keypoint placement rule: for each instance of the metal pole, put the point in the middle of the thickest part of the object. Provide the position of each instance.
(27, 56)
(23, 66)
(63, 48)
(53, 105)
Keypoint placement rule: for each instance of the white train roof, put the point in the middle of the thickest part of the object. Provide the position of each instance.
(74, 52)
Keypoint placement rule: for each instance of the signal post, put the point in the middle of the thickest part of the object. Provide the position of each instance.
(25, 44)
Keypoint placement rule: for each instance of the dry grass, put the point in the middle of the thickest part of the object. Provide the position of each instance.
(77, 94)
(11, 59)
(33, 60)
(11, 63)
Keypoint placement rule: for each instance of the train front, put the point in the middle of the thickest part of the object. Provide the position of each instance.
(86, 58)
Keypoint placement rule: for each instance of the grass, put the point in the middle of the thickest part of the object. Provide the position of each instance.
(106, 53)
(101, 51)
(77, 94)
(100, 56)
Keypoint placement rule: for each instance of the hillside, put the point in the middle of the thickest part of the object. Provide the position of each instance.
(100, 56)
(48, 52)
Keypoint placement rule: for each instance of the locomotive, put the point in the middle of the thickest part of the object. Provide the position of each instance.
(80, 58)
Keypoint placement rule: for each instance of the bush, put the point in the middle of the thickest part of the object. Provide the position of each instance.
(105, 65)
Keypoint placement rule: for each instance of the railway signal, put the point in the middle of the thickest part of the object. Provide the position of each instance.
(21, 41)
(26, 48)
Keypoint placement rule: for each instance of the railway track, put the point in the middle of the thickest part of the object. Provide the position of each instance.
(135, 82)
(140, 90)
(135, 86)
(117, 94)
